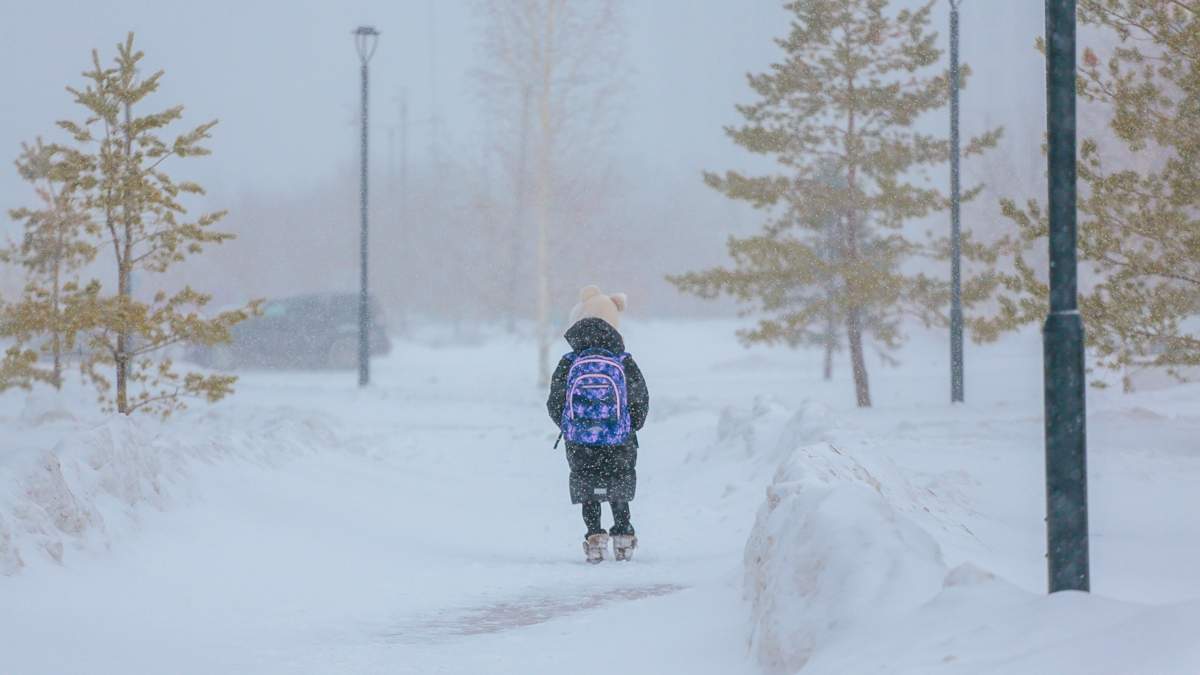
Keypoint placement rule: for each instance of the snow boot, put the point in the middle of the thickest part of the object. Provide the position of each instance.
(596, 547)
(623, 545)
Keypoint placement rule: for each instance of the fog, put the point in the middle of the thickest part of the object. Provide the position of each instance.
(282, 78)
(217, 456)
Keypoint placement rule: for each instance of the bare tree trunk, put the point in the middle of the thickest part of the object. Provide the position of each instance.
(862, 388)
(124, 290)
(56, 340)
(543, 198)
(830, 346)
(56, 283)
(854, 338)
(58, 378)
(122, 355)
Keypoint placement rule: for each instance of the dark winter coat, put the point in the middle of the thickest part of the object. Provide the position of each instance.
(605, 473)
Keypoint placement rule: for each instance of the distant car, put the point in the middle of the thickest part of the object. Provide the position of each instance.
(303, 332)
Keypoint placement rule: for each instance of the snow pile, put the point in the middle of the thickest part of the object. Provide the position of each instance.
(827, 549)
(766, 432)
(981, 624)
(44, 407)
(88, 481)
(845, 571)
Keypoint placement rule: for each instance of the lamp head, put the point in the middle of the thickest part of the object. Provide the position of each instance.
(366, 39)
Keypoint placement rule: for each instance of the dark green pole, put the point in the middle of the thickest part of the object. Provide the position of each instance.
(365, 40)
(956, 316)
(1066, 440)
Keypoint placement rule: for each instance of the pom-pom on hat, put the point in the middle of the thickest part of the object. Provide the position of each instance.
(594, 303)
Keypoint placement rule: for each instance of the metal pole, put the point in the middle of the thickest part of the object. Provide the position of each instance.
(403, 225)
(1066, 441)
(404, 154)
(365, 39)
(518, 227)
(956, 318)
(364, 307)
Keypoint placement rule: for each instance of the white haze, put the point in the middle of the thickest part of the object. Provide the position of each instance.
(283, 80)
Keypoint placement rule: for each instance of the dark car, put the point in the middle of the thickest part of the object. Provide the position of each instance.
(302, 332)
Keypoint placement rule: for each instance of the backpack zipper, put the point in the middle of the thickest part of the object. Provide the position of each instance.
(612, 383)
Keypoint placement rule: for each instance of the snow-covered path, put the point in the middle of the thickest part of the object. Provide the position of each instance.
(439, 539)
(423, 525)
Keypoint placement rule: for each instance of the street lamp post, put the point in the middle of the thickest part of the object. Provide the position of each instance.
(1066, 441)
(366, 39)
(956, 318)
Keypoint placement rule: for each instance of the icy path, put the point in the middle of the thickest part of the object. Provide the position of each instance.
(429, 544)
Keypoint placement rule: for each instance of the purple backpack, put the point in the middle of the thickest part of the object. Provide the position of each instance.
(596, 411)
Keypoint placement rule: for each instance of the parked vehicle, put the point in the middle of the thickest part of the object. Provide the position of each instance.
(303, 332)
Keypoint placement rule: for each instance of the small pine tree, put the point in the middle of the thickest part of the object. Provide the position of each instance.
(116, 170)
(1139, 207)
(845, 99)
(19, 368)
(51, 251)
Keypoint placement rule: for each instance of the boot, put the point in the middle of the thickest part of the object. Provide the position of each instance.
(596, 547)
(623, 545)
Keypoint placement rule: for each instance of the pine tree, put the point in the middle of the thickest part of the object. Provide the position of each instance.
(51, 251)
(855, 80)
(1139, 225)
(19, 368)
(116, 169)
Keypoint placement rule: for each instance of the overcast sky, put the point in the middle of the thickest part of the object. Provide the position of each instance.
(282, 76)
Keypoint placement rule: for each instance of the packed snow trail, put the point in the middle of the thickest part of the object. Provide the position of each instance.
(438, 538)
(423, 525)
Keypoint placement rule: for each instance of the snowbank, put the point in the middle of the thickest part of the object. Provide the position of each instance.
(827, 549)
(844, 572)
(73, 485)
(979, 623)
(766, 432)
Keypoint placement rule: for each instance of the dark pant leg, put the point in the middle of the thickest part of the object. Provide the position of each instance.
(621, 524)
(591, 517)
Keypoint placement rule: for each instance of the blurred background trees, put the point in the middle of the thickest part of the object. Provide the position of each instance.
(550, 74)
(51, 251)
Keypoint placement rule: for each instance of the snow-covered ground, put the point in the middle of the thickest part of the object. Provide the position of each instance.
(423, 525)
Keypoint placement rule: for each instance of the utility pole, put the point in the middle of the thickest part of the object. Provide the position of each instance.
(366, 39)
(391, 156)
(518, 227)
(402, 221)
(435, 112)
(1066, 440)
(403, 153)
(956, 317)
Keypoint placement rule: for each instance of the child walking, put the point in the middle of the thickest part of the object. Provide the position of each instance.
(598, 399)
